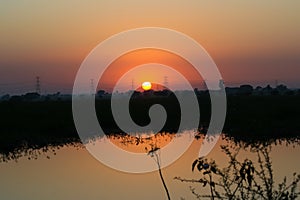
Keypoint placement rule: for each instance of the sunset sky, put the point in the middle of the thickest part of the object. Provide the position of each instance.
(253, 42)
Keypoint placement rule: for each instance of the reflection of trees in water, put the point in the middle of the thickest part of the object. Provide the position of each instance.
(32, 152)
(242, 179)
(239, 179)
(246, 179)
(151, 145)
(142, 142)
(32, 148)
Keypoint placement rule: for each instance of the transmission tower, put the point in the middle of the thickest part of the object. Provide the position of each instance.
(38, 85)
(203, 85)
(166, 83)
(92, 87)
(132, 84)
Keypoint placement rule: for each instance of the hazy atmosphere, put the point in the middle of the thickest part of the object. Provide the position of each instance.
(251, 41)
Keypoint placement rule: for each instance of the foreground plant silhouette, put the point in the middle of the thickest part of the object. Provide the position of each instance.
(242, 179)
(151, 145)
(154, 154)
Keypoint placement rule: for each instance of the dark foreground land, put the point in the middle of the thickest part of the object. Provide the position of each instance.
(249, 118)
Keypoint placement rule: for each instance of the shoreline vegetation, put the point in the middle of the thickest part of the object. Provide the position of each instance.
(250, 118)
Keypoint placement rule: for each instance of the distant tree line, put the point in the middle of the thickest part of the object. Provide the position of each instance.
(242, 90)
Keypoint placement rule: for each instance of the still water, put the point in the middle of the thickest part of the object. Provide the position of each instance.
(73, 173)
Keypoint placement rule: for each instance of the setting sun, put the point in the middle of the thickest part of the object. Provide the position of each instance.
(146, 85)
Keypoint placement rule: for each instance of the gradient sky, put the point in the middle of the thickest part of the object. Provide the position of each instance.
(140, 72)
(253, 42)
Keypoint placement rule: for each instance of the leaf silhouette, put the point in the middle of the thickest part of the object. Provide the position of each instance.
(204, 183)
(194, 164)
(249, 179)
(206, 166)
(199, 166)
(206, 172)
(213, 169)
(237, 178)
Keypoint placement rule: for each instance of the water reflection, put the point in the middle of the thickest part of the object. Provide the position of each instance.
(229, 165)
(142, 143)
(131, 152)
(32, 152)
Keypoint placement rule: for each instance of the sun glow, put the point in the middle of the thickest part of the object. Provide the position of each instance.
(146, 85)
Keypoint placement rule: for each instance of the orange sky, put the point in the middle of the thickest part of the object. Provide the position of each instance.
(135, 58)
(251, 41)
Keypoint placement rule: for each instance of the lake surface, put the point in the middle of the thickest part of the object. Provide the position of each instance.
(73, 173)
